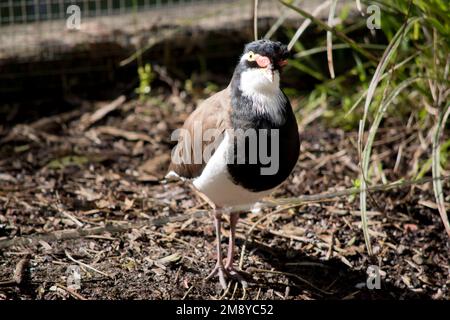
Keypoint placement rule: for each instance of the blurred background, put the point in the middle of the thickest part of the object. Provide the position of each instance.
(195, 41)
(40, 55)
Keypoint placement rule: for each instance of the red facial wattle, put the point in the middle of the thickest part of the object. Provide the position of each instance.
(262, 61)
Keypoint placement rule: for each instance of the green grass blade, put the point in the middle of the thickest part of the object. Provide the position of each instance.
(384, 61)
(306, 23)
(339, 46)
(342, 36)
(398, 65)
(366, 153)
(436, 169)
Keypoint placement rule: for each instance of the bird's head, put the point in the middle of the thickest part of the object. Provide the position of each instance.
(260, 65)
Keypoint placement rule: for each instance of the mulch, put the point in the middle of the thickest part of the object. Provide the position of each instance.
(97, 167)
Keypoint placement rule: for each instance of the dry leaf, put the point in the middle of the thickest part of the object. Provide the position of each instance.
(88, 194)
(155, 164)
(128, 204)
(170, 259)
(105, 204)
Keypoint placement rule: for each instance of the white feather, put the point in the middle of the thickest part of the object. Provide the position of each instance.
(265, 94)
(216, 183)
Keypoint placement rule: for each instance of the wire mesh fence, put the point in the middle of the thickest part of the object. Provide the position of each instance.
(25, 11)
(38, 49)
(38, 29)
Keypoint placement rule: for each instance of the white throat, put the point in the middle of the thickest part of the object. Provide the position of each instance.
(266, 95)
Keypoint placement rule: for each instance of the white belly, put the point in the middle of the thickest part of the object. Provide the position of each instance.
(216, 183)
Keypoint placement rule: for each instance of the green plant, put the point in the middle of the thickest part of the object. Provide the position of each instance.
(412, 74)
(146, 77)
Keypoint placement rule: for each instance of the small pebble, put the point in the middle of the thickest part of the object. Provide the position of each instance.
(417, 258)
(401, 249)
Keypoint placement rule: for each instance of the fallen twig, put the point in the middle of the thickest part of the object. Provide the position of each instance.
(129, 135)
(270, 203)
(255, 19)
(44, 123)
(187, 292)
(116, 228)
(18, 273)
(81, 233)
(90, 119)
(74, 294)
(85, 265)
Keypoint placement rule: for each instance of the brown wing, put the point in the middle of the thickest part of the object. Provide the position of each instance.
(213, 113)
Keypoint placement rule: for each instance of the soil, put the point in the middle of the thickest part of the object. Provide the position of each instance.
(73, 171)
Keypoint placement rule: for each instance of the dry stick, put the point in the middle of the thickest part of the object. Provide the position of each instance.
(306, 23)
(89, 120)
(348, 192)
(358, 6)
(187, 292)
(330, 249)
(330, 39)
(255, 19)
(18, 273)
(74, 294)
(279, 21)
(72, 218)
(85, 265)
(60, 235)
(258, 293)
(234, 291)
(244, 293)
(225, 291)
(43, 123)
(81, 233)
(20, 269)
(337, 33)
(295, 201)
(128, 135)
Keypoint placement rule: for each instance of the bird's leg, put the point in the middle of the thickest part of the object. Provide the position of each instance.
(234, 217)
(219, 269)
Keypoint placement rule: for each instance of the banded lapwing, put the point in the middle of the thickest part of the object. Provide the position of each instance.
(241, 143)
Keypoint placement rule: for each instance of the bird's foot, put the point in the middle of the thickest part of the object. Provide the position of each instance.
(221, 272)
(227, 272)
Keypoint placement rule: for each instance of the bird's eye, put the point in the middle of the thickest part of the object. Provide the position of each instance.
(251, 56)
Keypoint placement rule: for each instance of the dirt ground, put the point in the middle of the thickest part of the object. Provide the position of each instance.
(82, 169)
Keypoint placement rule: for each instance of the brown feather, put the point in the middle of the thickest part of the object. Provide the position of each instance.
(213, 113)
